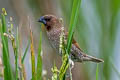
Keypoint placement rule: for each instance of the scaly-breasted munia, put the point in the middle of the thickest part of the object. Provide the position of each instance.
(53, 27)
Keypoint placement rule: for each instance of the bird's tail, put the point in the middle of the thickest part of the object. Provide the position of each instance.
(91, 58)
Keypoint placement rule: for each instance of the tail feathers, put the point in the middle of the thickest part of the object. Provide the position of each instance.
(91, 58)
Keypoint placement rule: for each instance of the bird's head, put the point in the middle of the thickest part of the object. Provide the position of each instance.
(49, 21)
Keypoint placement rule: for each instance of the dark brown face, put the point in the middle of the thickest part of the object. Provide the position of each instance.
(48, 21)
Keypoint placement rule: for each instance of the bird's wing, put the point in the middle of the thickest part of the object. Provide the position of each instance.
(76, 44)
(84, 56)
(73, 41)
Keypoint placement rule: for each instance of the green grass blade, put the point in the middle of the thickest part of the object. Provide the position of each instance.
(0, 26)
(32, 57)
(16, 59)
(23, 58)
(8, 75)
(73, 21)
(4, 30)
(39, 60)
(15, 47)
(97, 70)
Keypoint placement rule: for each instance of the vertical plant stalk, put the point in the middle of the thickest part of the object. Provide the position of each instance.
(23, 71)
(65, 59)
(17, 47)
(14, 45)
(11, 37)
(32, 56)
(73, 21)
(1, 63)
(22, 61)
(25, 53)
(16, 56)
(97, 71)
(39, 60)
(8, 75)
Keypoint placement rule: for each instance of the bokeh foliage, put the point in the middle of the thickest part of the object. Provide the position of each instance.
(96, 31)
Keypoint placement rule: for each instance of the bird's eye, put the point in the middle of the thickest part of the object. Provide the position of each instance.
(47, 19)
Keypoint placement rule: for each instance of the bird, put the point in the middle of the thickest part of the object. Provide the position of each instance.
(53, 27)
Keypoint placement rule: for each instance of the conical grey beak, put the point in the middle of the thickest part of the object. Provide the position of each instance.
(42, 20)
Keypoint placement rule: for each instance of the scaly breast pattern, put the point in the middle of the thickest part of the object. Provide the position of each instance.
(54, 38)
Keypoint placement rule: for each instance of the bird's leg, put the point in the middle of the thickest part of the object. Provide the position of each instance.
(71, 63)
(71, 66)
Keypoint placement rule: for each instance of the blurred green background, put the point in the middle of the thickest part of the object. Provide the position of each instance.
(97, 32)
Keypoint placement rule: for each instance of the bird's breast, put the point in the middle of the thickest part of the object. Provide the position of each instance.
(54, 38)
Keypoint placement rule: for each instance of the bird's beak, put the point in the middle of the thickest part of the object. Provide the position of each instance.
(42, 20)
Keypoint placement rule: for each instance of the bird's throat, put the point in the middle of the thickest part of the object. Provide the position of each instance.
(48, 28)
